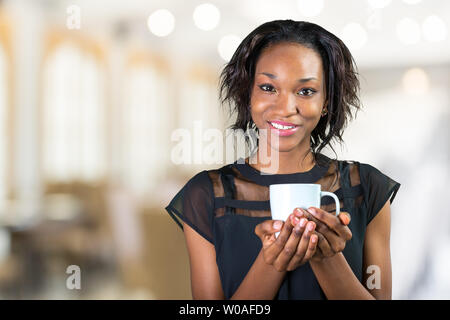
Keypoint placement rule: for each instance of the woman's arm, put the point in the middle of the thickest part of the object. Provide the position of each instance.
(335, 276)
(377, 252)
(205, 279)
(263, 280)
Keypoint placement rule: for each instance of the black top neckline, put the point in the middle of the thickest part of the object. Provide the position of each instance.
(314, 174)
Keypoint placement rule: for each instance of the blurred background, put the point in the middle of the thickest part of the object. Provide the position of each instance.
(95, 95)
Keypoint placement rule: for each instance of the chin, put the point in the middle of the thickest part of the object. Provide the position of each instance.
(286, 146)
(286, 143)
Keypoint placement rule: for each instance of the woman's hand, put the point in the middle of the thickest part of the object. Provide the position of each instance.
(293, 247)
(332, 231)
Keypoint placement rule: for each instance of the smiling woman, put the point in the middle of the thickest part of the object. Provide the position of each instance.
(284, 86)
(319, 64)
(295, 84)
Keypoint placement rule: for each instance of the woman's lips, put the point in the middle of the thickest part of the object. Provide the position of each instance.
(283, 132)
(283, 123)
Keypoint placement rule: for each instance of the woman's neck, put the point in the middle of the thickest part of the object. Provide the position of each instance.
(276, 162)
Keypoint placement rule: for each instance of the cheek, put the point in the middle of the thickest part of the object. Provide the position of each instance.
(257, 116)
(311, 110)
(312, 116)
(258, 107)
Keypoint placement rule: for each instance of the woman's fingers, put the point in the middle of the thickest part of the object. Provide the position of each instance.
(277, 246)
(298, 240)
(312, 247)
(290, 251)
(345, 218)
(335, 241)
(268, 227)
(333, 222)
(331, 236)
(324, 246)
(321, 227)
(302, 247)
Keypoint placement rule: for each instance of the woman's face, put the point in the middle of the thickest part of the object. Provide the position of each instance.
(288, 90)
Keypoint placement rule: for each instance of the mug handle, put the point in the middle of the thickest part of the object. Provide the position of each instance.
(331, 194)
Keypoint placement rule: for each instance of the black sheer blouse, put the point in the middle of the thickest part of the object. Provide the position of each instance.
(226, 204)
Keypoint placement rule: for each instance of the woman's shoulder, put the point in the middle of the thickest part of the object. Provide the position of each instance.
(362, 172)
(366, 170)
(362, 167)
(377, 185)
(198, 182)
(205, 178)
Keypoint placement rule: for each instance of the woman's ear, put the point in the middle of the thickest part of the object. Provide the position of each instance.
(324, 109)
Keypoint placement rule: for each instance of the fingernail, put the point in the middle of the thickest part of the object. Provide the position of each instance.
(298, 212)
(345, 219)
(303, 222)
(295, 220)
(310, 227)
(314, 239)
(312, 211)
(277, 224)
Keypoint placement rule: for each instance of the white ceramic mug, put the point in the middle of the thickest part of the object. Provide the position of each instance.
(285, 197)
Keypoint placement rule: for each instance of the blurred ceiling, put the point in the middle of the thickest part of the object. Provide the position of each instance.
(379, 42)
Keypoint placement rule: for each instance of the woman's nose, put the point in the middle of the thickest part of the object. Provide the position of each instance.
(287, 103)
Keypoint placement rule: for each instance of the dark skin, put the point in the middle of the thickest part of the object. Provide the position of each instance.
(278, 94)
(289, 86)
(331, 231)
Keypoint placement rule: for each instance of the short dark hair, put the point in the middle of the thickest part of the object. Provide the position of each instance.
(341, 76)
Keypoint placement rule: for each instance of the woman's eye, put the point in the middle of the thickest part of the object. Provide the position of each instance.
(267, 87)
(307, 92)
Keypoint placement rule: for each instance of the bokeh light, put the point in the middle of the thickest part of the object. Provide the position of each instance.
(415, 81)
(228, 45)
(434, 29)
(354, 35)
(206, 16)
(161, 22)
(408, 31)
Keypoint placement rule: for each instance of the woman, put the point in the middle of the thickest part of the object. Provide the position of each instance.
(294, 83)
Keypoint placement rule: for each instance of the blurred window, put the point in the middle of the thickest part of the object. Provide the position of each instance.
(5, 109)
(199, 99)
(146, 113)
(3, 116)
(74, 115)
(199, 112)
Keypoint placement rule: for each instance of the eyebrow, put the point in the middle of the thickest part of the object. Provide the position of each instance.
(272, 76)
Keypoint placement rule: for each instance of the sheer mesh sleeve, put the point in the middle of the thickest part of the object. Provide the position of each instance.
(378, 187)
(194, 205)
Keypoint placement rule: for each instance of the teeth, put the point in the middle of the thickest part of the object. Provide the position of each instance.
(279, 126)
